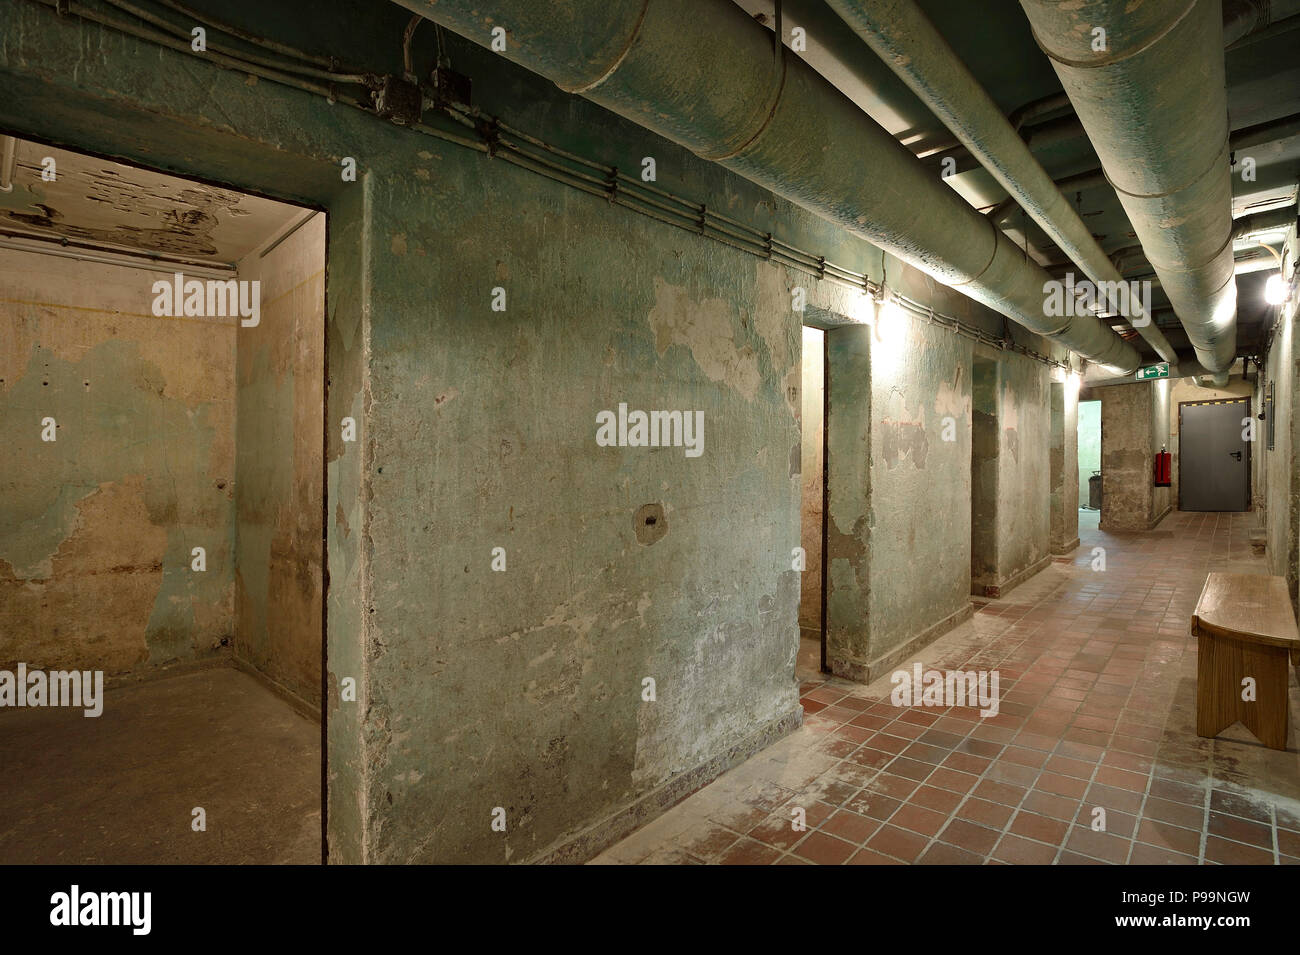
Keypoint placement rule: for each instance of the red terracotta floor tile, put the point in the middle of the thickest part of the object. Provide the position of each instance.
(899, 843)
(824, 849)
(850, 826)
(1235, 853)
(1020, 851)
(1097, 710)
(969, 836)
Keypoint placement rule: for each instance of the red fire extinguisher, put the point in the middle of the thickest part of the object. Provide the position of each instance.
(1162, 468)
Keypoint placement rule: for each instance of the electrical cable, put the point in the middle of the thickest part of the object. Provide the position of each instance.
(523, 150)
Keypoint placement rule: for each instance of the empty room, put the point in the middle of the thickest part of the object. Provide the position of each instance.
(162, 513)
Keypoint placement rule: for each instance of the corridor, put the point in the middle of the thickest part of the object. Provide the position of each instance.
(1098, 684)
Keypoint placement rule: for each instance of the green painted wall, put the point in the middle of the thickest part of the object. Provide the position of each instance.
(1089, 444)
(98, 527)
(522, 689)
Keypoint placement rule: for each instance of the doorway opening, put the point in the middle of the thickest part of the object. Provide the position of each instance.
(1090, 456)
(812, 505)
(162, 505)
(985, 445)
(1214, 455)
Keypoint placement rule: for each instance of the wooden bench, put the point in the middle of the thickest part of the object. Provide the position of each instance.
(1244, 628)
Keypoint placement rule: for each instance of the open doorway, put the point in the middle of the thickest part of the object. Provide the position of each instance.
(812, 509)
(986, 442)
(161, 517)
(1090, 456)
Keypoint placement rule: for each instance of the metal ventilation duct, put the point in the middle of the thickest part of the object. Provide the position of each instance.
(1147, 81)
(702, 73)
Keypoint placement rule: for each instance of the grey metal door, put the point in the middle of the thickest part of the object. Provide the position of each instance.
(1213, 456)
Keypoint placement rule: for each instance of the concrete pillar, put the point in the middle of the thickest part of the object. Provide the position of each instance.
(1010, 473)
(898, 492)
(1063, 465)
(1134, 426)
(848, 454)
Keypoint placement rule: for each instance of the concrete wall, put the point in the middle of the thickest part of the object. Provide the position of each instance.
(1011, 464)
(811, 421)
(1024, 503)
(899, 494)
(1064, 465)
(97, 527)
(1161, 498)
(1134, 426)
(522, 689)
(1281, 476)
(1089, 438)
(279, 466)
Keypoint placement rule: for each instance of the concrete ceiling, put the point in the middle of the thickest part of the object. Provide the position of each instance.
(106, 205)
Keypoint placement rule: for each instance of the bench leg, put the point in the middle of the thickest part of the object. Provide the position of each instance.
(1222, 665)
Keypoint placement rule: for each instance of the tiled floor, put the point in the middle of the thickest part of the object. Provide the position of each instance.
(1098, 689)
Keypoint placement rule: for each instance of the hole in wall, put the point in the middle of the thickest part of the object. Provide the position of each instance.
(650, 523)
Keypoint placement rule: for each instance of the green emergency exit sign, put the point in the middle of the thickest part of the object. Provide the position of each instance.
(1153, 371)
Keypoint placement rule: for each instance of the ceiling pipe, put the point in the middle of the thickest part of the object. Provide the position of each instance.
(1273, 131)
(1038, 109)
(1271, 220)
(1187, 367)
(1004, 211)
(1067, 127)
(778, 123)
(1244, 261)
(1245, 138)
(903, 36)
(1154, 103)
(1279, 218)
(1244, 18)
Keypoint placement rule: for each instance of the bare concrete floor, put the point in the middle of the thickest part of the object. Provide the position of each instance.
(121, 788)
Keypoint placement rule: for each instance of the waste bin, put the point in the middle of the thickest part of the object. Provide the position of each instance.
(1094, 491)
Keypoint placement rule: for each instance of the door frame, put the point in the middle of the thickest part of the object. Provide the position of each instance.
(309, 184)
(1240, 399)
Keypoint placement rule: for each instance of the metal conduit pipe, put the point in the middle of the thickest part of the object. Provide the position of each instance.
(1067, 127)
(778, 123)
(1242, 18)
(1244, 138)
(1187, 367)
(1282, 217)
(1154, 104)
(1279, 218)
(903, 36)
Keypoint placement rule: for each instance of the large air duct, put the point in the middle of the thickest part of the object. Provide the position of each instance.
(1147, 81)
(702, 73)
(908, 42)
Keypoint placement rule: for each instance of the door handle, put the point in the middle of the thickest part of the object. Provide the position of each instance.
(1236, 454)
